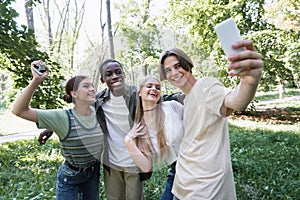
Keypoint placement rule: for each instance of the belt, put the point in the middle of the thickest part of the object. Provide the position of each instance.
(81, 169)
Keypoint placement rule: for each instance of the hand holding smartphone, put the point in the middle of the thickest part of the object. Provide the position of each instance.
(39, 68)
(228, 33)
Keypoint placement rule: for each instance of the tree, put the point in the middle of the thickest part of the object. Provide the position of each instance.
(274, 43)
(18, 49)
(287, 15)
(139, 33)
(29, 15)
(62, 21)
(109, 28)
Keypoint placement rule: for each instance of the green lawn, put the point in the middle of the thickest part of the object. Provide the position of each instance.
(260, 96)
(265, 164)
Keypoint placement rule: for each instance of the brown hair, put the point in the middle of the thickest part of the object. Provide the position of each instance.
(72, 85)
(144, 142)
(184, 61)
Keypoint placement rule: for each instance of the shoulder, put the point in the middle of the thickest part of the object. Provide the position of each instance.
(104, 93)
(129, 89)
(205, 84)
(209, 81)
(52, 115)
(51, 112)
(172, 105)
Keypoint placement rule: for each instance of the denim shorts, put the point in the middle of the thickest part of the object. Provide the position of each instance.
(72, 184)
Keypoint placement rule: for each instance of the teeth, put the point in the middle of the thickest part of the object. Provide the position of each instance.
(176, 78)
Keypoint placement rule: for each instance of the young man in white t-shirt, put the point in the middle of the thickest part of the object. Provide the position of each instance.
(204, 168)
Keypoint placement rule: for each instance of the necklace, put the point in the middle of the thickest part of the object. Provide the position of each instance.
(149, 109)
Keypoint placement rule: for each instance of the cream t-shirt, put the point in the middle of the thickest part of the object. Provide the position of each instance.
(203, 169)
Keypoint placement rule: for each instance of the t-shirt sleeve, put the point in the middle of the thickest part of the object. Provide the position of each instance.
(177, 107)
(55, 120)
(215, 94)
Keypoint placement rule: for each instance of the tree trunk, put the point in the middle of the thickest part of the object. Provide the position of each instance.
(29, 16)
(47, 12)
(79, 14)
(109, 27)
(3, 87)
(102, 49)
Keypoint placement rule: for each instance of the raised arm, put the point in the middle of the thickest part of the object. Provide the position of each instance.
(21, 106)
(252, 65)
(141, 160)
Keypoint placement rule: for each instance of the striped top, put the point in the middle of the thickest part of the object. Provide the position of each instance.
(83, 146)
(81, 137)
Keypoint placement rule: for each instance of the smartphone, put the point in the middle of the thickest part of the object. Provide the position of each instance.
(228, 33)
(39, 68)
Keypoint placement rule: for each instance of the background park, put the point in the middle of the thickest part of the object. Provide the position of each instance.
(75, 36)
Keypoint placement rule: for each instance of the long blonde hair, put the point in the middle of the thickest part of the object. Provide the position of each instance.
(144, 142)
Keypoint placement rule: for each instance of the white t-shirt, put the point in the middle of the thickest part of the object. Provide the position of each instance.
(174, 131)
(116, 114)
(203, 169)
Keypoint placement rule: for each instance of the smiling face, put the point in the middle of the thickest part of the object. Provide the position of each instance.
(85, 92)
(174, 73)
(113, 76)
(150, 92)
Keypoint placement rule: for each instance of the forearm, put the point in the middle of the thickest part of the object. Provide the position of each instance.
(21, 106)
(141, 160)
(240, 97)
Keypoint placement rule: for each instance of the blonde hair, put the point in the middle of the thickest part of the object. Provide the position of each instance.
(144, 142)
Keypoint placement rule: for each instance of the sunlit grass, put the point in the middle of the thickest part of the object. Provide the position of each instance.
(275, 94)
(253, 125)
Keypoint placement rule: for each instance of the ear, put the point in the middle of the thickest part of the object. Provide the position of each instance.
(73, 94)
(101, 79)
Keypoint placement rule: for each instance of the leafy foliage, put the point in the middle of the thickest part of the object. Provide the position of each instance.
(19, 47)
(25, 166)
(140, 33)
(279, 47)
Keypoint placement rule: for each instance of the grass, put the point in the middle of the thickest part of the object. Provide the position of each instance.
(265, 164)
(261, 96)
